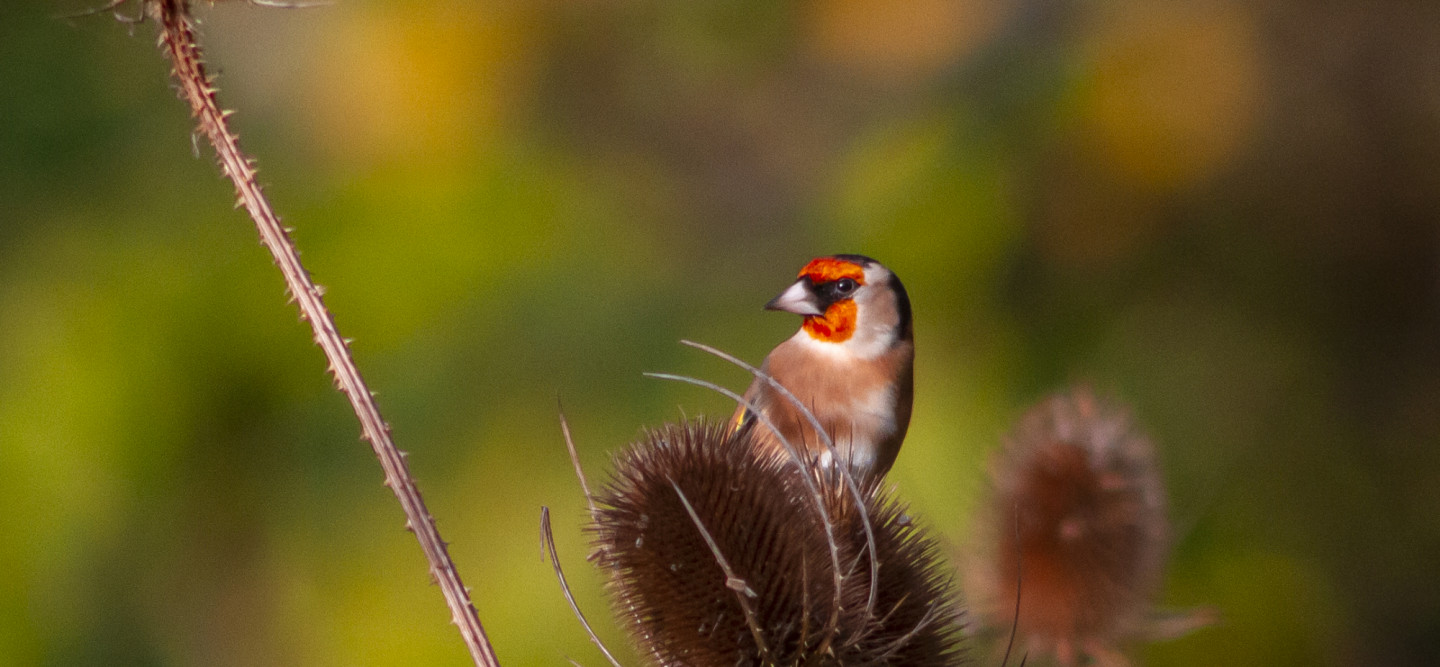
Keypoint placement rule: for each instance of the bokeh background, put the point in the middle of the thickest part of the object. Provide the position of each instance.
(1224, 212)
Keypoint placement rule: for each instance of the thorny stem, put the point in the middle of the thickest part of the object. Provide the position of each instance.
(178, 41)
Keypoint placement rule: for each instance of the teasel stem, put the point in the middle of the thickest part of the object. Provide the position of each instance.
(178, 41)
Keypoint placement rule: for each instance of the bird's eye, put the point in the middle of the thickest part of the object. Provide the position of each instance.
(844, 286)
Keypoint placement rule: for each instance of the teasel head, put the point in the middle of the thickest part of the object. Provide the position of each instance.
(1074, 533)
(721, 553)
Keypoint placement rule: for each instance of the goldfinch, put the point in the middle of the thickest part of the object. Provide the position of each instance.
(851, 364)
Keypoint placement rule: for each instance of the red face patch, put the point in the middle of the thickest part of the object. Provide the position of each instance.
(827, 269)
(837, 325)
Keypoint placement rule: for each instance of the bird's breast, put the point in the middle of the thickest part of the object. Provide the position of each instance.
(853, 399)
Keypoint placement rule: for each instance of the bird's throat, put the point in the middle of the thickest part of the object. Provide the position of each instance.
(837, 325)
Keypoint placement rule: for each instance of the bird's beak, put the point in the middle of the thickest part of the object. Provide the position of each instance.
(797, 299)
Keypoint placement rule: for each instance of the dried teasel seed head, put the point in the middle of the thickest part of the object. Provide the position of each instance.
(1077, 516)
(717, 554)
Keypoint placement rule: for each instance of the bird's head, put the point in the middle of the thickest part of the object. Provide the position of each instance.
(849, 300)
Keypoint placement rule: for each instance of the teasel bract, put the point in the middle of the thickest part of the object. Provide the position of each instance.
(719, 553)
(1076, 521)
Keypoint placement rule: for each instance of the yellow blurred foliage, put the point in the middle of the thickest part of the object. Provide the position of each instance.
(1173, 92)
(909, 40)
(417, 81)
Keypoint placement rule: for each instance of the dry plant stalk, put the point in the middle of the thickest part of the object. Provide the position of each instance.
(178, 41)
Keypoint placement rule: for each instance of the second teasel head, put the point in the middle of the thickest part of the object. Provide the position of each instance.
(1077, 520)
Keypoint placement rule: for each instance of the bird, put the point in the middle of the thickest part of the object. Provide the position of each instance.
(851, 364)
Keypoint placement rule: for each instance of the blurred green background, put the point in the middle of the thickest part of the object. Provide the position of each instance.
(1226, 213)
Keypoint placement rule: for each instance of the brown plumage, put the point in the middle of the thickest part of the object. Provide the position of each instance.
(779, 602)
(850, 364)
